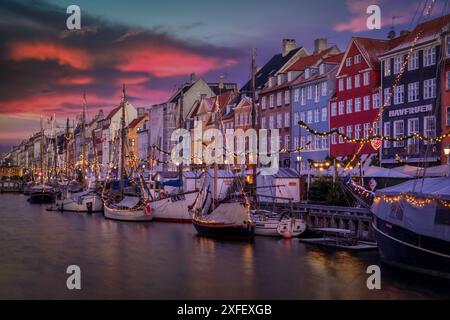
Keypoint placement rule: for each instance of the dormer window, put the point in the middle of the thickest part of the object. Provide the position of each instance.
(280, 79)
(271, 82)
(307, 73)
(322, 68)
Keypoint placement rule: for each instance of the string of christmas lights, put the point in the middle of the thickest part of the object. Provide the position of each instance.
(419, 202)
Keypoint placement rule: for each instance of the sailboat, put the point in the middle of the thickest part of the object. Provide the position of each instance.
(86, 199)
(42, 193)
(127, 204)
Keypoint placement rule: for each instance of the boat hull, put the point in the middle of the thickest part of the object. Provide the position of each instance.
(224, 231)
(42, 197)
(89, 203)
(173, 209)
(399, 247)
(126, 215)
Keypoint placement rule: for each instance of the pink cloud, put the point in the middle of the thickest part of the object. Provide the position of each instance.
(76, 80)
(130, 80)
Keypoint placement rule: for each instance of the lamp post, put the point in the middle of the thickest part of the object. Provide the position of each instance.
(447, 153)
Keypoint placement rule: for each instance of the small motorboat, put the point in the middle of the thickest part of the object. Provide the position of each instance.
(271, 224)
(128, 209)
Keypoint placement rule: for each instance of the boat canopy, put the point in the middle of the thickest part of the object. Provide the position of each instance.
(128, 202)
(229, 213)
(429, 187)
(378, 172)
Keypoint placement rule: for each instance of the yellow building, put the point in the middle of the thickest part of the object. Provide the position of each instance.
(132, 135)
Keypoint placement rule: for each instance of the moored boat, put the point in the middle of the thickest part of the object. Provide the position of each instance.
(42, 194)
(272, 224)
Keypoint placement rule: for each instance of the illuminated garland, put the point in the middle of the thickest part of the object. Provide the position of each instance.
(419, 202)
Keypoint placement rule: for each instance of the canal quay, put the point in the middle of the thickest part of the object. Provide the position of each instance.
(155, 260)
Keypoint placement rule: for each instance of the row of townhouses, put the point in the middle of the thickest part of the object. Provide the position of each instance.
(329, 90)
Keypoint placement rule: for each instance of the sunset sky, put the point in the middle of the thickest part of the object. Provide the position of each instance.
(152, 47)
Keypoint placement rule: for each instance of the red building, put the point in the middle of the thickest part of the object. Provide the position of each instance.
(356, 105)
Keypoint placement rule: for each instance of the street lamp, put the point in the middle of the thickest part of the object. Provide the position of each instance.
(447, 153)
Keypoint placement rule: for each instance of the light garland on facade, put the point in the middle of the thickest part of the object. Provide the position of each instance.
(418, 202)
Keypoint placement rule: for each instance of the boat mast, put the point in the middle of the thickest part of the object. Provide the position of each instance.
(55, 148)
(122, 142)
(66, 143)
(42, 153)
(180, 125)
(83, 140)
(254, 119)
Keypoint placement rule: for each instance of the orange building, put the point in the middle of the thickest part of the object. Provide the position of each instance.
(132, 135)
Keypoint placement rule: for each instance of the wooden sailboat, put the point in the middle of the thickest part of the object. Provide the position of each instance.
(123, 205)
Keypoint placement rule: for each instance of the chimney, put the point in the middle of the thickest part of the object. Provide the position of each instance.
(288, 46)
(391, 34)
(193, 77)
(140, 112)
(403, 32)
(320, 45)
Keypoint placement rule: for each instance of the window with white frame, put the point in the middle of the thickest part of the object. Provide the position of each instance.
(429, 89)
(341, 138)
(429, 57)
(413, 63)
(366, 130)
(348, 62)
(271, 101)
(324, 143)
(349, 106)
(387, 67)
(357, 104)
(322, 68)
(303, 98)
(296, 95)
(309, 117)
(349, 83)
(376, 101)
(341, 107)
(302, 141)
(399, 131)
(279, 99)
(357, 131)
(302, 116)
(376, 128)
(387, 134)
(317, 143)
(429, 124)
(324, 89)
(263, 122)
(357, 59)
(296, 118)
(334, 137)
(287, 97)
(399, 94)
(398, 64)
(310, 89)
(324, 114)
(271, 122)
(366, 103)
(309, 144)
(341, 84)
(387, 96)
(316, 115)
(286, 141)
(350, 132)
(279, 121)
(295, 143)
(307, 73)
(287, 120)
(366, 78)
(316, 93)
(263, 103)
(357, 81)
(333, 109)
(413, 91)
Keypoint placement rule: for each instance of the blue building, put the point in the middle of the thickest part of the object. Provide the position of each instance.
(311, 94)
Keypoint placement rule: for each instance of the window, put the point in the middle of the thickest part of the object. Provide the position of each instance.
(357, 81)
(303, 102)
(263, 103)
(341, 139)
(325, 143)
(341, 84)
(296, 118)
(295, 143)
(317, 143)
(279, 99)
(448, 79)
(271, 122)
(310, 92)
(366, 130)
(357, 131)
(302, 116)
(279, 121)
(413, 92)
(448, 116)
(287, 141)
(324, 114)
(309, 117)
(287, 97)
(348, 62)
(429, 89)
(307, 73)
(349, 83)
(316, 115)
(366, 103)
(366, 78)
(376, 101)
(316, 93)
(413, 144)
(349, 106)
(296, 95)
(309, 142)
(357, 104)
(398, 64)
(387, 68)
(448, 46)
(429, 126)
(341, 107)
(387, 96)
(322, 68)
(399, 131)
(350, 132)
(429, 57)
(271, 101)
(334, 137)
(413, 63)
(287, 120)
(263, 122)
(376, 128)
(357, 59)
(399, 94)
(333, 109)
(387, 133)
(324, 89)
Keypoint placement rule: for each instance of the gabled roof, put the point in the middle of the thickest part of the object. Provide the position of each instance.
(270, 68)
(113, 112)
(136, 121)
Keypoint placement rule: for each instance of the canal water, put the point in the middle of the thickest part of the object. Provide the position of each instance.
(168, 261)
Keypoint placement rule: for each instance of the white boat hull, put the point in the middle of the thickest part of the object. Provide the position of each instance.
(173, 209)
(95, 201)
(138, 215)
(285, 228)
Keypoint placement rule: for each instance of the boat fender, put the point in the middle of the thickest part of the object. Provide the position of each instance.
(148, 209)
(162, 195)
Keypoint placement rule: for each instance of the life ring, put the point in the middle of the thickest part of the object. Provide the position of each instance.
(162, 195)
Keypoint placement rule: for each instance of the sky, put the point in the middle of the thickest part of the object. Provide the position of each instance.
(154, 46)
